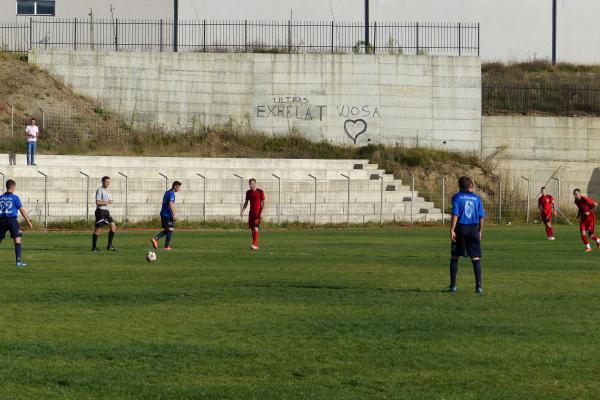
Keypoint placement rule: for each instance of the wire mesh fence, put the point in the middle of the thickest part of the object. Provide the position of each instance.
(345, 201)
(542, 99)
(240, 36)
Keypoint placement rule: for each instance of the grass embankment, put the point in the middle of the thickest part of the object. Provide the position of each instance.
(540, 88)
(327, 315)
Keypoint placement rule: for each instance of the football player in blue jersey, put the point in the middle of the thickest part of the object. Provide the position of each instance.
(167, 216)
(10, 206)
(465, 231)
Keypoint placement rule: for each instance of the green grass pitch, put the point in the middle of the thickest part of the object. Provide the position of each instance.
(315, 314)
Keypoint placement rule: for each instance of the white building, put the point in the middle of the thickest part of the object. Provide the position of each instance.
(20, 10)
(510, 29)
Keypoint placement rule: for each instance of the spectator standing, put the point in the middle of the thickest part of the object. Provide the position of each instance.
(32, 132)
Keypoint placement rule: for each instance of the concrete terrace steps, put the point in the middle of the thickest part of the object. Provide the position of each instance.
(291, 199)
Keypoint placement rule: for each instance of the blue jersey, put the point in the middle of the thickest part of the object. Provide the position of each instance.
(468, 207)
(168, 197)
(9, 205)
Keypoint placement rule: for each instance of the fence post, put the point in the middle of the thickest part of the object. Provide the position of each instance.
(116, 34)
(412, 199)
(242, 192)
(478, 38)
(443, 201)
(45, 199)
(279, 198)
(75, 34)
(528, 193)
(289, 37)
(3, 179)
(87, 196)
(160, 35)
(381, 202)
(245, 35)
(175, 24)
(30, 33)
(332, 35)
(374, 37)
(417, 45)
(203, 197)
(204, 35)
(558, 192)
(166, 180)
(315, 206)
(459, 40)
(126, 195)
(499, 201)
(347, 201)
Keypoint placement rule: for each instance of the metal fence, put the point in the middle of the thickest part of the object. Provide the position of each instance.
(542, 99)
(313, 200)
(240, 36)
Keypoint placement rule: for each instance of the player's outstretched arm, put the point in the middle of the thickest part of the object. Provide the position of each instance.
(262, 207)
(25, 217)
(481, 222)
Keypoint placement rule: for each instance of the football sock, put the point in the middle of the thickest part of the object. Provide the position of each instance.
(548, 231)
(255, 238)
(477, 272)
(551, 232)
(159, 235)
(111, 235)
(168, 239)
(453, 272)
(595, 238)
(585, 239)
(18, 251)
(94, 240)
(253, 235)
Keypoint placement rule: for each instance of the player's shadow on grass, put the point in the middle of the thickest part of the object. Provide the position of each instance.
(593, 188)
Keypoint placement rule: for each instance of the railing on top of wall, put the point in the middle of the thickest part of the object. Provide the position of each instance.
(241, 36)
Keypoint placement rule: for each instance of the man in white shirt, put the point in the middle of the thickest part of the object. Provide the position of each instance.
(103, 217)
(32, 132)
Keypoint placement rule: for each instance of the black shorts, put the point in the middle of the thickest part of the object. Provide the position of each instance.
(9, 225)
(468, 241)
(167, 223)
(103, 218)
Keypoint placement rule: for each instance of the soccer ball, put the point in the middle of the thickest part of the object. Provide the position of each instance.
(151, 256)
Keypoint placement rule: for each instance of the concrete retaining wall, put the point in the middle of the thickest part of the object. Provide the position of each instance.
(427, 100)
(534, 147)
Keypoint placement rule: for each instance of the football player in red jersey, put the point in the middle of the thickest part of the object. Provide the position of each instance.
(587, 219)
(547, 211)
(256, 198)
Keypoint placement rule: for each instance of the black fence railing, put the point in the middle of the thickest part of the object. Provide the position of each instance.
(240, 36)
(541, 99)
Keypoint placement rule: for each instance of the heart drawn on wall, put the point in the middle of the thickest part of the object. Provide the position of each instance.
(354, 128)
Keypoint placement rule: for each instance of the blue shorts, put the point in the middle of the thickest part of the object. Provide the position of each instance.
(468, 242)
(9, 225)
(167, 223)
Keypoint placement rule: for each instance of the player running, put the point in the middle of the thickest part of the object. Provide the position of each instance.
(587, 219)
(256, 197)
(167, 216)
(103, 217)
(465, 231)
(547, 211)
(10, 206)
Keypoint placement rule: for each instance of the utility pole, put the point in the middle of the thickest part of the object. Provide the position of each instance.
(367, 25)
(175, 23)
(553, 32)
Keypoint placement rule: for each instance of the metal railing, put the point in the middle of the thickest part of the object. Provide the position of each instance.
(313, 200)
(541, 99)
(240, 36)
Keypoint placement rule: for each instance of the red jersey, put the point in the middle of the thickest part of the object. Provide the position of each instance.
(585, 204)
(255, 197)
(545, 203)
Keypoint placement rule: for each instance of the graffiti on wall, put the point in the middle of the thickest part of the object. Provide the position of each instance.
(353, 118)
